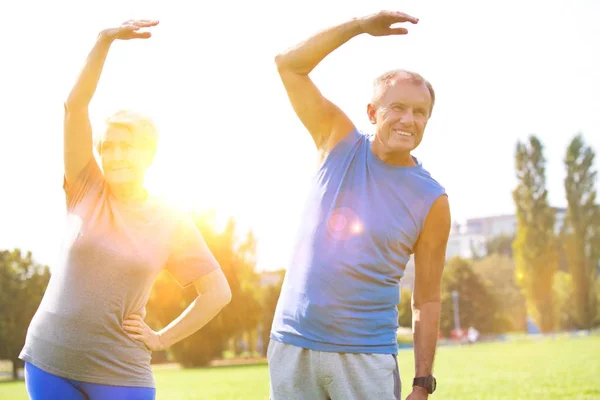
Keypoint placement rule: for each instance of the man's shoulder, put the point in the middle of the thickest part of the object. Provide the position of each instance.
(351, 138)
(424, 191)
(349, 143)
(428, 181)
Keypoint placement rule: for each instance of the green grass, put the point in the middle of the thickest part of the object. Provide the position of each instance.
(548, 369)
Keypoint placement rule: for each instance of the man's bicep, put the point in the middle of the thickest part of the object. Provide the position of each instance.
(325, 121)
(430, 252)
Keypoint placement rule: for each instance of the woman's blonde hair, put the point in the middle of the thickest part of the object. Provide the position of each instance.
(140, 125)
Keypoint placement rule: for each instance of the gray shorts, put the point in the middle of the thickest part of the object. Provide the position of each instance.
(302, 374)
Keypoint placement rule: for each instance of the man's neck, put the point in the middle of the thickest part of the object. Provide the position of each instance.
(400, 159)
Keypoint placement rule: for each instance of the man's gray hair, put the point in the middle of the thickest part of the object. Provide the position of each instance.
(386, 78)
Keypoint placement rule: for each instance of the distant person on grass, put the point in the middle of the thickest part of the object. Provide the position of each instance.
(88, 338)
(372, 204)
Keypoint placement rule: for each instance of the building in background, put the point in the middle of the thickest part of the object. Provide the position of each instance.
(469, 240)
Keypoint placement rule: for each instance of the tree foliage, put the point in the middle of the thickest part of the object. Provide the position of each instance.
(22, 286)
(565, 310)
(405, 308)
(498, 273)
(478, 307)
(581, 237)
(535, 246)
(501, 245)
(268, 297)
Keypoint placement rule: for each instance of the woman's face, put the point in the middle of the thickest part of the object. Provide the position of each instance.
(125, 156)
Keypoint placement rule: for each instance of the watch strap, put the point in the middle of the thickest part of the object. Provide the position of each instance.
(427, 382)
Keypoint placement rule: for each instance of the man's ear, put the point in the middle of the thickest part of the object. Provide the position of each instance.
(372, 113)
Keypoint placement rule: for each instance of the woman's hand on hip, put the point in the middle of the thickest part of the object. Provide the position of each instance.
(137, 329)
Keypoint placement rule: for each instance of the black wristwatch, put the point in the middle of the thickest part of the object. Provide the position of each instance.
(427, 382)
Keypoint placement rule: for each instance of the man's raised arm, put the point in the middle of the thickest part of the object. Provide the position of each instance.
(326, 123)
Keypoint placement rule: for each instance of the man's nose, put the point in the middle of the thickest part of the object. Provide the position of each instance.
(408, 117)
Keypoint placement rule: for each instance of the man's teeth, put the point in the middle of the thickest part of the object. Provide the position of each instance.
(403, 133)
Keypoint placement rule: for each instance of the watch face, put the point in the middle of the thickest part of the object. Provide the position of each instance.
(433, 384)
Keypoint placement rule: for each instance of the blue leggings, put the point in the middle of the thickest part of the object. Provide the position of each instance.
(44, 386)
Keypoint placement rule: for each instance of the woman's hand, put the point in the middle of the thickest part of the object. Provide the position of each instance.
(137, 329)
(130, 30)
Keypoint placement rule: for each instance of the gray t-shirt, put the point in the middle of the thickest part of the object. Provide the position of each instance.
(111, 256)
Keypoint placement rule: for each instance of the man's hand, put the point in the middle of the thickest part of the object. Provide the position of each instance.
(418, 393)
(130, 30)
(380, 24)
(138, 330)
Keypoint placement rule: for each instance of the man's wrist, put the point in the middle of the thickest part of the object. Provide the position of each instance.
(427, 384)
(420, 389)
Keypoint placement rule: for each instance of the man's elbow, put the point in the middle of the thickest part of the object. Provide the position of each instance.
(287, 65)
(280, 61)
(283, 63)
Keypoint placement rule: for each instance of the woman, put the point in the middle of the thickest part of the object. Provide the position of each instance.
(88, 339)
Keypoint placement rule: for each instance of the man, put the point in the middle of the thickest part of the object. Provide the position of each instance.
(371, 206)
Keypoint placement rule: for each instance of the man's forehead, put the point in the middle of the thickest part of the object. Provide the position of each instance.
(405, 87)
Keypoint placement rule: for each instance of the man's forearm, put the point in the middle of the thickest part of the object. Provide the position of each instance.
(85, 87)
(426, 321)
(203, 309)
(303, 58)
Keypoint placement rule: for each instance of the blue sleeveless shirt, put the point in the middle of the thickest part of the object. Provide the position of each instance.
(359, 227)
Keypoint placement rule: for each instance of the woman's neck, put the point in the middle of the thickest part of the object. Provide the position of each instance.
(129, 193)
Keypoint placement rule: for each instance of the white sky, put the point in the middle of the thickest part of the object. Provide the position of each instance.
(229, 137)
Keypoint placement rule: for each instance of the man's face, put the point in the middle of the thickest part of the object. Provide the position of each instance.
(400, 114)
(124, 156)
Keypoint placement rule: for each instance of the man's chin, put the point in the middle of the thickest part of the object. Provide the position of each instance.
(403, 147)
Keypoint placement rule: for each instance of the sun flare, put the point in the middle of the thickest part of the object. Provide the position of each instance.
(191, 198)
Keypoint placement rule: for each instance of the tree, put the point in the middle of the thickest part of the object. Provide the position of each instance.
(565, 310)
(269, 295)
(497, 271)
(597, 322)
(501, 245)
(405, 308)
(22, 286)
(477, 305)
(249, 280)
(248, 305)
(582, 233)
(535, 246)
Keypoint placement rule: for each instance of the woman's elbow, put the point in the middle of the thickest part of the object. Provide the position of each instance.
(225, 295)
